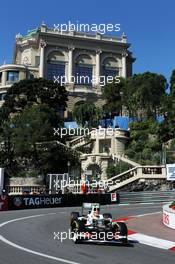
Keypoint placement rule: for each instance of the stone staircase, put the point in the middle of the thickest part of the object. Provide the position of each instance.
(124, 159)
(80, 141)
(135, 174)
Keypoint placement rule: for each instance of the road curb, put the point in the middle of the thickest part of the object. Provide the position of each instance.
(146, 239)
(151, 241)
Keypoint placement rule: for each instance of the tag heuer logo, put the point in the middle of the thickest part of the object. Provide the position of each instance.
(17, 201)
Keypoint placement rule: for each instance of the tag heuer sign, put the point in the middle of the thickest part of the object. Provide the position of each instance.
(17, 201)
(170, 172)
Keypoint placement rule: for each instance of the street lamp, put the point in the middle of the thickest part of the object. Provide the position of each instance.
(163, 154)
(68, 166)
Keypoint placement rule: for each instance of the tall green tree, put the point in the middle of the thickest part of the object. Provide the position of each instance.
(37, 91)
(167, 127)
(112, 94)
(86, 113)
(142, 94)
(144, 146)
(29, 115)
(172, 82)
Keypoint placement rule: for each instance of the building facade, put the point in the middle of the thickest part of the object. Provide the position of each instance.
(105, 145)
(50, 54)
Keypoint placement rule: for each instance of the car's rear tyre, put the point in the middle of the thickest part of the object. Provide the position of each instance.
(123, 231)
(124, 241)
(122, 228)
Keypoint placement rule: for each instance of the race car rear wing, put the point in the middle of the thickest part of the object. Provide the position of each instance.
(90, 205)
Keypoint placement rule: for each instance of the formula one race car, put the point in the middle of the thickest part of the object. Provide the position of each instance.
(95, 227)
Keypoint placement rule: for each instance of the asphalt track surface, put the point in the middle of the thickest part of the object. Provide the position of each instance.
(30, 240)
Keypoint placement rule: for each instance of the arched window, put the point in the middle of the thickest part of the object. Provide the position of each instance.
(12, 76)
(96, 172)
(83, 70)
(55, 65)
(110, 67)
(2, 96)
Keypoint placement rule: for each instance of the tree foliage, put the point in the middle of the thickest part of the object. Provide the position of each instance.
(172, 82)
(119, 167)
(143, 93)
(112, 94)
(144, 146)
(28, 117)
(86, 113)
(37, 91)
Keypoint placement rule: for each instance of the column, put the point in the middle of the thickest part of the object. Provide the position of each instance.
(70, 64)
(97, 76)
(113, 144)
(124, 54)
(41, 66)
(97, 144)
(4, 78)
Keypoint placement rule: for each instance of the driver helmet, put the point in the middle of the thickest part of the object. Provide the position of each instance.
(96, 212)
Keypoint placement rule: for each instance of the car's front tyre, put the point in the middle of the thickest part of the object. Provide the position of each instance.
(77, 229)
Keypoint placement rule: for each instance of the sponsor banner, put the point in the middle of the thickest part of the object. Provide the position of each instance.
(168, 216)
(16, 202)
(34, 201)
(113, 197)
(170, 172)
(3, 202)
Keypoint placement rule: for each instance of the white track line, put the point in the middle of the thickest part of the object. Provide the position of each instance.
(3, 239)
(148, 214)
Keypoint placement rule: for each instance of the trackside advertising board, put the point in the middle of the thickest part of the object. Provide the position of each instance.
(17, 202)
(170, 172)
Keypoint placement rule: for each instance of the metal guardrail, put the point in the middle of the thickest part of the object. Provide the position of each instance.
(147, 197)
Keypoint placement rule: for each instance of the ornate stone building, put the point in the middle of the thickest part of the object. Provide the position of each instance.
(65, 57)
(106, 145)
(48, 53)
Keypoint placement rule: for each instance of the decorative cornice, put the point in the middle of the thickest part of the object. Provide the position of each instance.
(71, 47)
(42, 44)
(98, 51)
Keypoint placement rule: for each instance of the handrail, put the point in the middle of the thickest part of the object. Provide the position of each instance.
(136, 173)
(123, 173)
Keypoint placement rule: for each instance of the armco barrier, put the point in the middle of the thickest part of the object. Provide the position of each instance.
(16, 202)
(168, 216)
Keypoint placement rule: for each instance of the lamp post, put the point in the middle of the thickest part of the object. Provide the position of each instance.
(68, 167)
(163, 154)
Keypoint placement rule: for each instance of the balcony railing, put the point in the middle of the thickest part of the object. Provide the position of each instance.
(16, 189)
